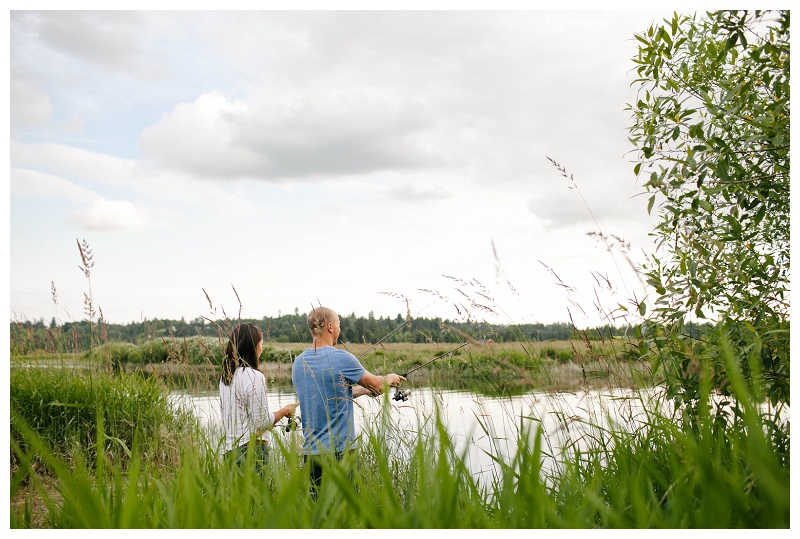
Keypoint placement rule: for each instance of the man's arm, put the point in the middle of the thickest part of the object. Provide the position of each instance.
(374, 384)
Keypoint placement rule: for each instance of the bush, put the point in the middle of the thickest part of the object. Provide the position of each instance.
(274, 355)
(562, 356)
(67, 407)
(114, 353)
(711, 128)
(193, 350)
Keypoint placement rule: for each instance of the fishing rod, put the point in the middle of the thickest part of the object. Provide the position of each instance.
(382, 339)
(399, 393)
(293, 423)
(403, 394)
(395, 330)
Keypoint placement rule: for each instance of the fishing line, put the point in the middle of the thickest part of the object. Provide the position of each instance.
(398, 328)
(403, 394)
(292, 424)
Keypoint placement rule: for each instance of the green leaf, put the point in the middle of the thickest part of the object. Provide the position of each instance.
(759, 216)
(723, 226)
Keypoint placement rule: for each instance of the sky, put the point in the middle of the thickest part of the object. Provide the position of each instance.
(253, 163)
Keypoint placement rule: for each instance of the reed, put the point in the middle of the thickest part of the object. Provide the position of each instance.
(64, 406)
(497, 369)
(726, 466)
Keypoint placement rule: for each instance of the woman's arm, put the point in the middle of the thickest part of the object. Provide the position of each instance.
(286, 411)
(257, 399)
(360, 390)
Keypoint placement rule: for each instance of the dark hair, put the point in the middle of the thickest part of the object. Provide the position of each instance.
(241, 350)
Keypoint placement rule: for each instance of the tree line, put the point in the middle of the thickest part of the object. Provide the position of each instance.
(27, 336)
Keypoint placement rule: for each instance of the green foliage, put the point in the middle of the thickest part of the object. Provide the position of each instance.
(559, 355)
(668, 476)
(726, 466)
(65, 408)
(193, 350)
(275, 355)
(711, 128)
(27, 336)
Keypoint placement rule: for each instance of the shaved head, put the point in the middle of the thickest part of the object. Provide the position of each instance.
(320, 317)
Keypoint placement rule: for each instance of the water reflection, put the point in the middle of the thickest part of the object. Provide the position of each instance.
(480, 426)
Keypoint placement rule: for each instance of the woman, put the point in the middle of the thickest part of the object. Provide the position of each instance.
(243, 396)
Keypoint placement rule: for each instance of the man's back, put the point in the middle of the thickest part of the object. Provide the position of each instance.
(323, 379)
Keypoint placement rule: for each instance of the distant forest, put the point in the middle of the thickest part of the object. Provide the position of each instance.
(293, 328)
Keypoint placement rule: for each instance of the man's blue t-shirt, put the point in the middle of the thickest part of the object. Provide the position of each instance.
(323, 379)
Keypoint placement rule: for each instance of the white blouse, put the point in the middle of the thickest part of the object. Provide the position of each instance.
(243, 406)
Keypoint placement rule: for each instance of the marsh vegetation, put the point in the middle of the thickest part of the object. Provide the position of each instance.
(110, 450)
(98, 430)
(96, 440)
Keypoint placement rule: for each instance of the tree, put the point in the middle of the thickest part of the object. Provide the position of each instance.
(711, 131)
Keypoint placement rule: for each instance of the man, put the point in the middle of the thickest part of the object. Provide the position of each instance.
(323, 377)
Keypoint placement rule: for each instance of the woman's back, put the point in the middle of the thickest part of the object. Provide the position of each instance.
(243, 406)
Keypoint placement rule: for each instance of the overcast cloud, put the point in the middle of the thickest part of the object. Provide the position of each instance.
(31, 108)
(182, 135)
(26, 183)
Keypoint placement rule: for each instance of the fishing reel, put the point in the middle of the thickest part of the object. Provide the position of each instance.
(292, 423)
(401, 394)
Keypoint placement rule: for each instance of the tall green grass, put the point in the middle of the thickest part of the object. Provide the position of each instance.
(505, 369)
(711, 467)
(64, 407)
(192, 350)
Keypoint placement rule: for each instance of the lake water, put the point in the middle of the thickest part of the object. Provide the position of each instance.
(479, 424)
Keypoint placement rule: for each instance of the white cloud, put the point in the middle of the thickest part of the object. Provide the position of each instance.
(26, 183)
(393, 109)
(141, 178)
(338, 211)
(104, 215)
(414, 194)
(106, 39)
(331, 94)
(196, 138)
(309, 134)
(75, 125)
(73, 162)
(100, 215)
(562, 206)
(30, 107)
